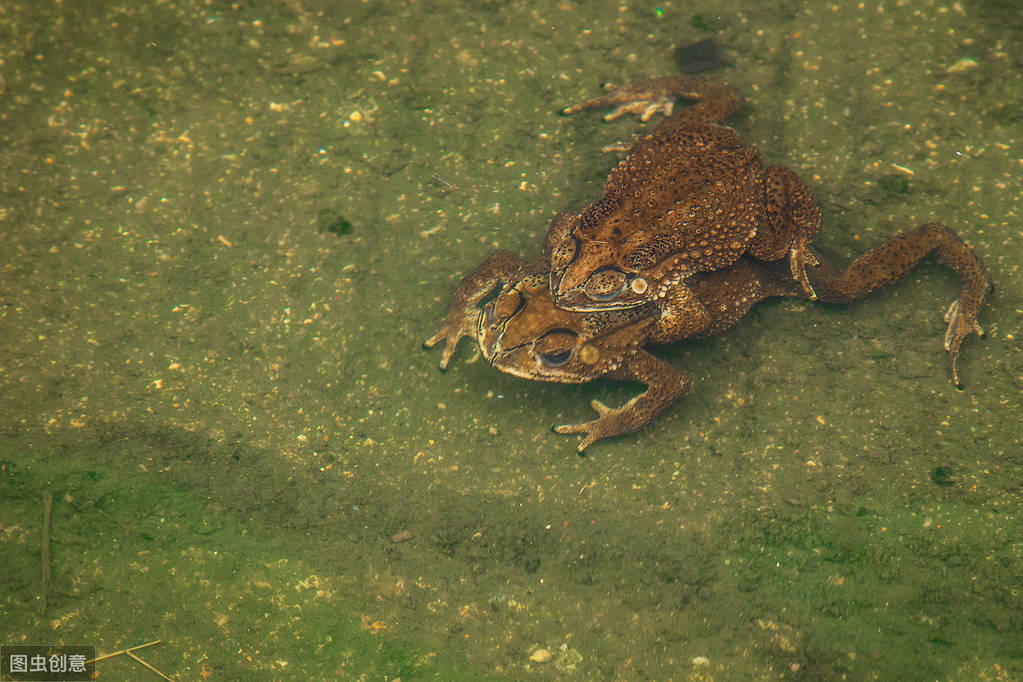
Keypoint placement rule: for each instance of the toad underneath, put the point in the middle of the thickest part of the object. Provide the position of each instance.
(522, 332)
(525, 326)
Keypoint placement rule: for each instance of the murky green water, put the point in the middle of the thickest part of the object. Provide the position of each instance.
(228, 227)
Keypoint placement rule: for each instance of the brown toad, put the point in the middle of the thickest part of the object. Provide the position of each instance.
(688, 198)
(506, 305)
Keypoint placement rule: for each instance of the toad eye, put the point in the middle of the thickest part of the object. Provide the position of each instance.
(508, 304)
(554, 348)
(555, 359)
(503, 308)
(605, 284)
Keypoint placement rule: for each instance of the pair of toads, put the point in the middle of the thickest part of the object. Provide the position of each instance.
(690, 232)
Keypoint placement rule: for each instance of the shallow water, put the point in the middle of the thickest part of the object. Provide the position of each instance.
(227, 230)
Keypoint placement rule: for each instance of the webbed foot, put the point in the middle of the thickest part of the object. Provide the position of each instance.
(458, 324)
(610, 422)
(628, 99)
(714, 101)
(960, 325)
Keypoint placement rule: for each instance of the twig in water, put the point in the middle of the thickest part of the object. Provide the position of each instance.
(443, 181)
(123, 651)
(128, 652)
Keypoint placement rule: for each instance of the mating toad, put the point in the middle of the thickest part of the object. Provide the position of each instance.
(688, 198)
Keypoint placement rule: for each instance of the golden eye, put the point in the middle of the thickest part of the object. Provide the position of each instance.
(605, 284)
(554, 348)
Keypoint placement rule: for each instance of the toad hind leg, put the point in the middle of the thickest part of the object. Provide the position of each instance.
(885, 263)
(664, 383)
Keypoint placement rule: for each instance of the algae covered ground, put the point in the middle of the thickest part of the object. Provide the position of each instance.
(227, 229)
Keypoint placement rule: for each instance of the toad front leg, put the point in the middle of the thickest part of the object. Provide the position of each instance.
(791, 219)
(885, 263)
(500, 268)
(664, 383)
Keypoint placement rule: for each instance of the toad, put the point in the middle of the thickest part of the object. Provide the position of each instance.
(688, 198)
(506, 305)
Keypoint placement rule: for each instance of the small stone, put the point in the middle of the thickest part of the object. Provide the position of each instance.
(401, 536)
(541, 656)
(964, 64)
(701, 660)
